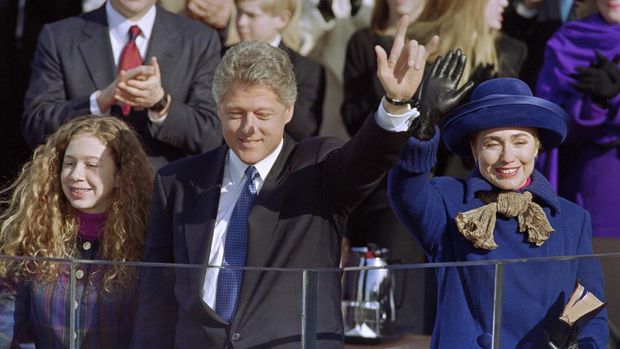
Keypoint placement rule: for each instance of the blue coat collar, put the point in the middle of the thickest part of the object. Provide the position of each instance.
(540, 187)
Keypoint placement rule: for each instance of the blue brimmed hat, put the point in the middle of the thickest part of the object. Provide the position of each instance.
(503, 102)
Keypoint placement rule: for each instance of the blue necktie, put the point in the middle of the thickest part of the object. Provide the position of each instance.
(235, 249)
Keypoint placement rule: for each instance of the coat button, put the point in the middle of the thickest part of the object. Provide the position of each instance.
(235, 336)
(79, 274)
(485, 340)
(86, 245)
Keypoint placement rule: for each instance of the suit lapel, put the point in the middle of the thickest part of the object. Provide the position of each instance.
(199, 219)
(262, 223)
(164, 43)
(96, 50)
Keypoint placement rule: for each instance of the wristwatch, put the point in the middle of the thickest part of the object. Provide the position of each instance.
(410, 101)
(162, 104)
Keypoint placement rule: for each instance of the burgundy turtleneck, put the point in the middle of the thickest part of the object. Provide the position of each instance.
(526, 184)
(91, 225)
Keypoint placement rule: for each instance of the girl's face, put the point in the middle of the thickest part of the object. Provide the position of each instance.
(89, 174)
(506, 156)
(610, 10)
(493, 13)
(399, 8)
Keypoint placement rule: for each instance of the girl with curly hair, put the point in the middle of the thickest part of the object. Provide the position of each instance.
(85, 195)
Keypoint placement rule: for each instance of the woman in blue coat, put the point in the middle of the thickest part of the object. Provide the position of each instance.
(504, 210)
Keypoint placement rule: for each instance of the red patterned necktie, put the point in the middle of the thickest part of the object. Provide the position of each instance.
(130, 58)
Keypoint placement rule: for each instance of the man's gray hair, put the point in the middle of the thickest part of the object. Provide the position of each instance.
(256, 63)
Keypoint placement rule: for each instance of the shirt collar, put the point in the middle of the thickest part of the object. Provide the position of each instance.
(539, 187)
(119, 25)
(276, 41)
(237, 167)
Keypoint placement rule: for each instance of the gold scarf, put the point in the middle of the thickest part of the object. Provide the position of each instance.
(477, 225)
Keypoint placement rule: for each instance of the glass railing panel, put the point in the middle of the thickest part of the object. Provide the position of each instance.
(36, 303)
(539, 301)
(375, 303)
(108, 304)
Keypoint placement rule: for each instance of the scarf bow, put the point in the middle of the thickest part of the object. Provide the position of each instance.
(477, 225)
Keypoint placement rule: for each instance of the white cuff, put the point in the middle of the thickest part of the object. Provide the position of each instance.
(94, 106)
(156, 121)
(394, 122)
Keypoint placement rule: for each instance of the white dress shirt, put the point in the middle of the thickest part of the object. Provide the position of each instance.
(233, 180)
(118, 30)
(232, 185)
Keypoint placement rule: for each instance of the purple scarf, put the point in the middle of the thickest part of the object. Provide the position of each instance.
(573, 46)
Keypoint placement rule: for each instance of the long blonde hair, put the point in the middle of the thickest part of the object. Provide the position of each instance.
(459, 24)
(40, 222)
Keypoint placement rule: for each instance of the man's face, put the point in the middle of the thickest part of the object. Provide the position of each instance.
(132, 9)
(253, 119)
(253, 24)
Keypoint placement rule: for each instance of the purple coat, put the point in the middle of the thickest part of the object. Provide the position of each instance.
(583, 169)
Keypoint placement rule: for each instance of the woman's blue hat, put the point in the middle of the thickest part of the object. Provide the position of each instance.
(504, 102)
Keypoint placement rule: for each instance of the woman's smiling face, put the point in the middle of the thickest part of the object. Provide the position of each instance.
(506, 156)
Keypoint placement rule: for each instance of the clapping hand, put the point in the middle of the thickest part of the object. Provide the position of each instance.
(140, 87)
(216, 13)
(439, 92)
(601, 79)
(400, 74)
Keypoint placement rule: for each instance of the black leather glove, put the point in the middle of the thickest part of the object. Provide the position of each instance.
(601, 79)
(563, 334)
(438, 93)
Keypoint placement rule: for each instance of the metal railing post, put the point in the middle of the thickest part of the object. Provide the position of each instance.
(498, 304)
(72, 320)
(308, 309)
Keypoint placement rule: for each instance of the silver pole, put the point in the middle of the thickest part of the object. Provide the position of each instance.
(308, 309)
(498, 304)
(72, 291)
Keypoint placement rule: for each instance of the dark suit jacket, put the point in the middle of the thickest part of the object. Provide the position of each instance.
(534, 32)
(310, 77)
(74, 58)
(296, 222)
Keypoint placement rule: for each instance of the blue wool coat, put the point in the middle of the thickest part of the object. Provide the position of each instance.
(534, 293)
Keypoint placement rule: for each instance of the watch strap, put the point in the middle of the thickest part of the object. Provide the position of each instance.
(162, 104)
(411, 101)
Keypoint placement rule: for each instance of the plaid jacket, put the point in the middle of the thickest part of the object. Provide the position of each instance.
(102, 319)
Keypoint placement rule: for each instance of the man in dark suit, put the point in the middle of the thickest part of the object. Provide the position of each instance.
(75, 72)
(265, 20)
(300, 194)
